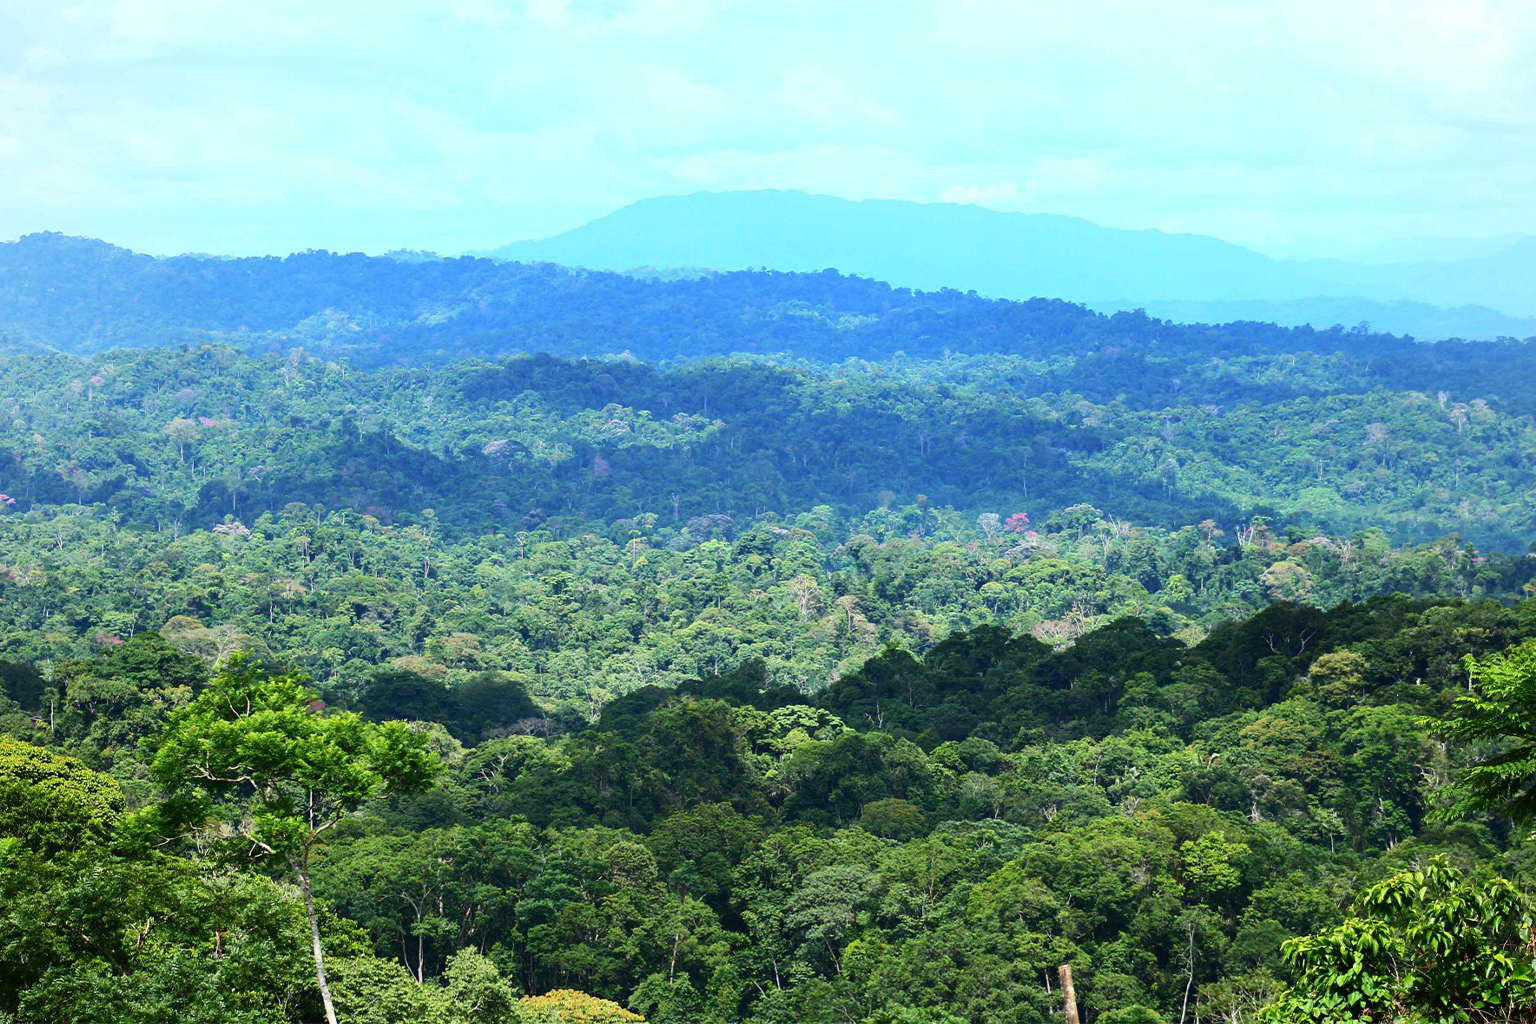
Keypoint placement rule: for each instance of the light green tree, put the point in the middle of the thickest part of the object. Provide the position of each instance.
(257, 765)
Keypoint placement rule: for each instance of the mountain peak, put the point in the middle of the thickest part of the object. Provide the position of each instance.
(918, 245)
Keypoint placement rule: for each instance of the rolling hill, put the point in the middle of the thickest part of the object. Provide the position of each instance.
(932, 246)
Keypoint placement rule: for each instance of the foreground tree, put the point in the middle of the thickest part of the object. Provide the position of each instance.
(258, 766)
(1499, 712)
(1422, 947)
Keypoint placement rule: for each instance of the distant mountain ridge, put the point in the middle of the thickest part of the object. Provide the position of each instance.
(1423, 249)
(1018, 256)
(1501, 280)
(1419, 319)
(82, 296)
(917, 245)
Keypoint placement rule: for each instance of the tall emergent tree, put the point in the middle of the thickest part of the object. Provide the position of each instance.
(258, 766)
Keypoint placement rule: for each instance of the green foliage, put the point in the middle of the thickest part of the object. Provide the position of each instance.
(22, 684)
(95, 938)
(53, 803)
(1499, 712)
(282, 772)
(892, 818)
(1429, 946)
(262, 745)
(476, 991)
(122, 697)
(934, 834)
(545, 627)
(373, 991)
(755, 689)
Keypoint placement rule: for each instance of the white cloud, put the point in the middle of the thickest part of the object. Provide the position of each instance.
(997, 195)
(821, 98)
(1329, 124)
(669, 92)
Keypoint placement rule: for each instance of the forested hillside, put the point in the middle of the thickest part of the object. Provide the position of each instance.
(1328, 443)
(579, 619)
(925, 840)
(1482, 292)
(886, 655)
(899, 512)
(81, 295)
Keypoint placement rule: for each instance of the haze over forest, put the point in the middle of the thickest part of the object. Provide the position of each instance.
(730, 513)
(1189, 278)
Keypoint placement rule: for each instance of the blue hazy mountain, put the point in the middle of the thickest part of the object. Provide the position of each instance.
(1019, 256)
(1501, 280)
(918, 245)
(1426, 248)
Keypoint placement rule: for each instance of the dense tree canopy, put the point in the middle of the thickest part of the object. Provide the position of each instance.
(928, 838)
(352, 663)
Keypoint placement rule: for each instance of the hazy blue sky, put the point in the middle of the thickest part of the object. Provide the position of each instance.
(262, 127)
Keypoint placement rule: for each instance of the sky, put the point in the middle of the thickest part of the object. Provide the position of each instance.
(1299, 128)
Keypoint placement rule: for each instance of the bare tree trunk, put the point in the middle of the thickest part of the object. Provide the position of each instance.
(1068, 993)
(1190, 983)
(314, 939)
